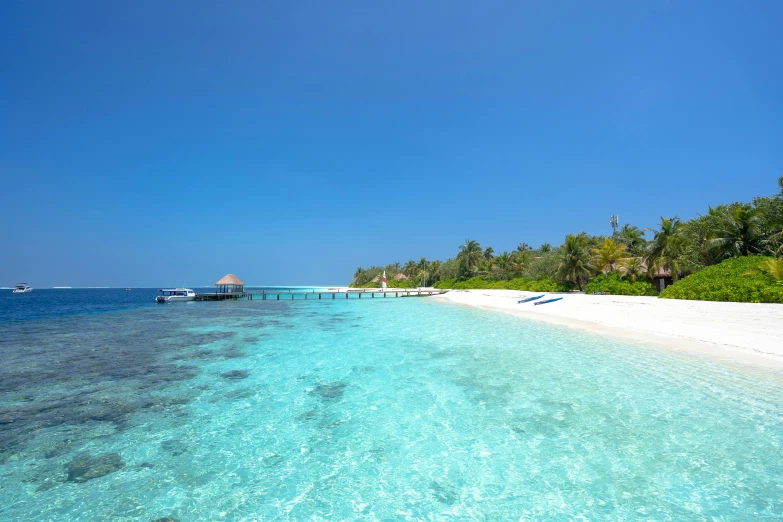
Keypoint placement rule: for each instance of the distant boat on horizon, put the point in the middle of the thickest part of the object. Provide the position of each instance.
(61, 287)
(22, 288)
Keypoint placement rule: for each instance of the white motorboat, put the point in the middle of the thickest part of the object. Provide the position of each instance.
(176, 295)
(22, 288)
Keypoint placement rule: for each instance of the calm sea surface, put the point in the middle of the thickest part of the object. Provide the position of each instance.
(115, 408)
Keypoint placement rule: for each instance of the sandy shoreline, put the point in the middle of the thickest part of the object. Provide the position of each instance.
(747, 333)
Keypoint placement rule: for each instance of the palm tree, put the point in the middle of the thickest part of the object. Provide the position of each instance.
(434, 268)
(776, 243)
(666, 247)
(575, 260)
(522, 248)
(489, 254)
(633, 267)
(633, 238)
(608, 254)
(741, 233)
(357, 273)
(545, 247)
(423, 263)
(470, 254)
(410, 268)
(503, 265)
(770, 267)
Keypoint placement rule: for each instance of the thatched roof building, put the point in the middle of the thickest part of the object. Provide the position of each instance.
(376, 279)
(400, 277)
(230, 283)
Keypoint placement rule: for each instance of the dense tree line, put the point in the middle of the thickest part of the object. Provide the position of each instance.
(675, 247)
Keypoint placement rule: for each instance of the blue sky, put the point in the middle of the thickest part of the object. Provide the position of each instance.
(310, 139)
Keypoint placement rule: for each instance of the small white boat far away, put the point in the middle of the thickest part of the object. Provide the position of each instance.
(22, 288)
(176, 295)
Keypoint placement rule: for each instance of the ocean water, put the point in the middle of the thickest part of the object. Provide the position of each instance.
(115, 408)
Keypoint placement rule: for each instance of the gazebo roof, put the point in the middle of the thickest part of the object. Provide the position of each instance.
(230, 279)
(400, 277)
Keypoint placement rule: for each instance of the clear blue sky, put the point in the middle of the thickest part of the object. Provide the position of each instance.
(310, 139)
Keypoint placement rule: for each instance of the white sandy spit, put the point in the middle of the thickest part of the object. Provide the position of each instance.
(741, 332)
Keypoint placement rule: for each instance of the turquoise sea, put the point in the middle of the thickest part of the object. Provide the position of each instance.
(115, 408)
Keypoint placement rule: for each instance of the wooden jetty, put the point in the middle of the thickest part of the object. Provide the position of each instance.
(335, 294)
(231, 287)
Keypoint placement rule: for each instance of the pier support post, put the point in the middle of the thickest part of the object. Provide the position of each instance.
(319, 296)
(278, 297)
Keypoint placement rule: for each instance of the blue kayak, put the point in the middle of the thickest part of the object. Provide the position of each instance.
(530, 299)
(548, 301)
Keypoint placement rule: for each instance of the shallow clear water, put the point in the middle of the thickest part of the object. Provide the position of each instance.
(374, 409)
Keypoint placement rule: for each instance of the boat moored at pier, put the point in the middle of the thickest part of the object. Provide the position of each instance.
(175, 295)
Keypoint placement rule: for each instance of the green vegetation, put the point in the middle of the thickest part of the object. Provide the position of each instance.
(531, 285)
(770, 267)
(623, 263)
(736, 279)
(613, 283)
(575, 264)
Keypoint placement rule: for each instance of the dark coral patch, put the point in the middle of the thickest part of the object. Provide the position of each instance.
(235, 375)
(332, 390)
(174, 446)
(85, 467)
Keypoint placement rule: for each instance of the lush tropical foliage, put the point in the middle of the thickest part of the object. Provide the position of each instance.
(622, 263)
(575, 264)
(531, 285)
(736, 279)
(770, 267)
(609, 254)
(614, 283)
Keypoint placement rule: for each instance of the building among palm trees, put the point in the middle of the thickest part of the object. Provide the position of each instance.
(662, 278)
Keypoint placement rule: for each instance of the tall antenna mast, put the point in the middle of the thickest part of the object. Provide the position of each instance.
(614, 221)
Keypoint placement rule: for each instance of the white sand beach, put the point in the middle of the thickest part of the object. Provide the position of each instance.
(747, 333)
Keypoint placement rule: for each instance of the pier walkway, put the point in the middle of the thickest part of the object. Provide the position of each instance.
(312, 293)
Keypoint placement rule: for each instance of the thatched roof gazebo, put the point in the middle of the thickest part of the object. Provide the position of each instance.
(400, 277)
(230, 284)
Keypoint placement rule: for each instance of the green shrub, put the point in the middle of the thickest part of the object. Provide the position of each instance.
(612, 283)
(530, 285)
(446, 283)
(728, 281)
